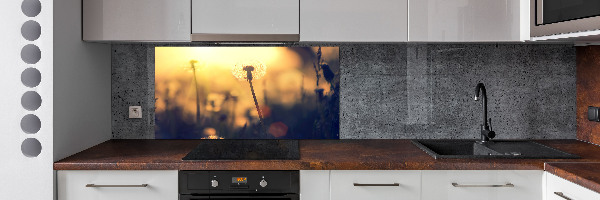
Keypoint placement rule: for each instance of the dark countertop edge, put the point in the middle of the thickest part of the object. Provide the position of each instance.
(297, 165)
(95, 158)
(579, 179)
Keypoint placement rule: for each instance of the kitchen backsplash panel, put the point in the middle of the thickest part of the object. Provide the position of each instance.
(394, 91)
(588, 85)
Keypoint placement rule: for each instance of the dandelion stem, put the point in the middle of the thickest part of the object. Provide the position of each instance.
(197, 94)
(249, 70)
(317, 65)
(260, 117)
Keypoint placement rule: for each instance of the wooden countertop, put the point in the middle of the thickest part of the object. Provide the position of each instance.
(314, 155)
(581, 173)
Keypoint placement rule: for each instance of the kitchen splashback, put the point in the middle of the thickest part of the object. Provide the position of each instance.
(247, 92)
(407, 90)
(588, 84)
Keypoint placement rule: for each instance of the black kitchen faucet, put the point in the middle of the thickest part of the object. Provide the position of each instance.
(486, 129)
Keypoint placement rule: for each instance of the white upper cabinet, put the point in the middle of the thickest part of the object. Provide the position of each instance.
(136, 20)
(468, 20)
(354, 20)
(245, 20)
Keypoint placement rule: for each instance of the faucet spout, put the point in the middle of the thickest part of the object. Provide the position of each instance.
(486, 132)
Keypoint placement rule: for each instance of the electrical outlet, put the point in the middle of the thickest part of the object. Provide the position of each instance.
(135, 112)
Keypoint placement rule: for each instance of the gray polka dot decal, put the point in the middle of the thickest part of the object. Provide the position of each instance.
(31, 54)
(31, 8)
(31, 124)
(31, 100)
(31, 77)
(31, 30)
(31, 147)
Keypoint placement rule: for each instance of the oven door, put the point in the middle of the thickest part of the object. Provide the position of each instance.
(236, 197)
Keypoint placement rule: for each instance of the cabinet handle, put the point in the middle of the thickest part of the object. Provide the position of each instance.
(94, 185)
(560, 194)
(505, 185)
(362, 184)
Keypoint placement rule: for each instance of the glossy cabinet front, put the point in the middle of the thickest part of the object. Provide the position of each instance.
(560, 189)
(136, 20)
(379, 184)
(117, 185)
(245, 17)
(482, 184)
(314, 184)
(468, 20)
(354, 20)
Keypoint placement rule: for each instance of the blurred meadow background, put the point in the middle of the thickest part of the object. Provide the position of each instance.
(207, 92)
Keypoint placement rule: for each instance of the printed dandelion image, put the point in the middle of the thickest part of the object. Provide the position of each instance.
(249, 71)
(246, 92)
(194, 67)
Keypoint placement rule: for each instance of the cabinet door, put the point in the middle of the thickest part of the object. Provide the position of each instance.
(561, 189)
(243, 17)
(468, 20)
(136, 20)
(379, 185)
(482, 184)
(354, 20)
(117, 185)
(314, 185)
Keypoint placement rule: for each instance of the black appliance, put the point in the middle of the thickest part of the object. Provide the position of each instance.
(553, 18)
(234, 185)
(245, 150)
(554, 11)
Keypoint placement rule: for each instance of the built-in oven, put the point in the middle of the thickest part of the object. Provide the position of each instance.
(234, 185)
(554, 17)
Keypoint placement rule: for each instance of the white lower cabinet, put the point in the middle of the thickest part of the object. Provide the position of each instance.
(117, 185)
(561, 189)
(482, 184)
(340, 185)
(314, 184)
(375, 185)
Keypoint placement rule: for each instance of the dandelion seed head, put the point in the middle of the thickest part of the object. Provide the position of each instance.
(240, 70)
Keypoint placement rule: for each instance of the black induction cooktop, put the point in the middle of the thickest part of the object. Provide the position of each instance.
(245, 150)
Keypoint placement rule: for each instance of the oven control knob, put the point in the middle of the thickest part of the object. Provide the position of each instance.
(263, 183)
(214, 183)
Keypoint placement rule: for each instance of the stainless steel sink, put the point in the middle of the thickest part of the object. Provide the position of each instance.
(493, 149)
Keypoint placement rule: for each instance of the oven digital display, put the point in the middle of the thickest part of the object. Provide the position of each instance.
(239, 180)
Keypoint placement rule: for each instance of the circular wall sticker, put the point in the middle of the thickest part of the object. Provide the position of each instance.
(31, 54)
(31, 77)
(31, 100)
(31, 30)
(31, 147)
(31, 124)
(31, 8)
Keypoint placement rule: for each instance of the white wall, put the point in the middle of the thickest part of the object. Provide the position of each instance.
(24, 177)
(82, 84)
(74, 88)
